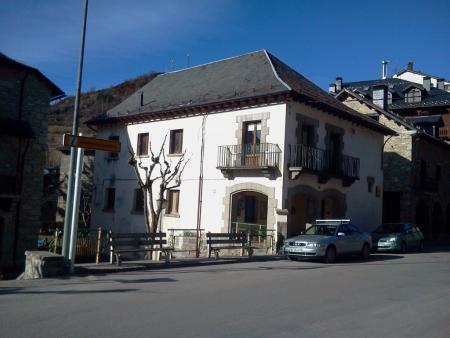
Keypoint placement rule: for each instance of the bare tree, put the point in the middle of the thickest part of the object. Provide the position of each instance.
(154, 180)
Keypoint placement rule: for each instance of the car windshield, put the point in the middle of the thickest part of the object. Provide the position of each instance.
(390, 229)
(322, 229)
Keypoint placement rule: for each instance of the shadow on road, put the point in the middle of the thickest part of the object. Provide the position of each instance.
(9, 291)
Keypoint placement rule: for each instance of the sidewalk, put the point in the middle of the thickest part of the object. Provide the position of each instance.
(127, 266)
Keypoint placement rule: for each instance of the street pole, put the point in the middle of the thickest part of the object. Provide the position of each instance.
(73, 155)
(76, 204)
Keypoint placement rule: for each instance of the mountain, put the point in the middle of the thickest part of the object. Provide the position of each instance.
(92, 103)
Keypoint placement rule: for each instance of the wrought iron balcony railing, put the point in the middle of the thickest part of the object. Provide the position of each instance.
(323, 161)
(249, 156)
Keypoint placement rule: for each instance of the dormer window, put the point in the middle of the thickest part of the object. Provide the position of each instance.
(414, 95)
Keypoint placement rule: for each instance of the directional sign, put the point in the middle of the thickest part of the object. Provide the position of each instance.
(91, 143)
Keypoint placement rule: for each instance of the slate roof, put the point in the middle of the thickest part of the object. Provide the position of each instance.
(434, 98)
(56, 92)
(431, 119)
(251, 75)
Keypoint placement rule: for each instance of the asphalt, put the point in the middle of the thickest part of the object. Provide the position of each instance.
(391, 295)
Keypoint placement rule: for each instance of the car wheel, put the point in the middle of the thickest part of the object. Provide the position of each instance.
(403, 248)
(421, 246)
(292, 258)
(365, 251)
(330, 255)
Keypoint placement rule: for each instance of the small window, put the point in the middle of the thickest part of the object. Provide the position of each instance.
(176, 141)
(414, 95)
(110, 199)
(370, 183)
(438, 173)
(113, 156)
(173, 202)
(142, 145)
(138, 200)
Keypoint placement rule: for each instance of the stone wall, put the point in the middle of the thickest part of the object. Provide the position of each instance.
(28, 195)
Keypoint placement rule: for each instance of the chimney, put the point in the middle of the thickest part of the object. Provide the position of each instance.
(338, 84)
(332, 88)
(427, 83)
(380, 95)
(410, 66)
(440, 83)
(384, 64)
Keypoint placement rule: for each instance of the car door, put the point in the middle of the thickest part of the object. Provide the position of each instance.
(409, 236)
(344, 241)
(358, 238)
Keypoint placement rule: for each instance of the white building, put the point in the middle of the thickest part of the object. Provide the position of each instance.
(416, 76)
(275, 146)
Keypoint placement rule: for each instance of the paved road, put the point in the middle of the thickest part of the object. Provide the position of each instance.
(389, 296)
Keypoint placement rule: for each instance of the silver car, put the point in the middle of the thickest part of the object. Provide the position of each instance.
(327, 239)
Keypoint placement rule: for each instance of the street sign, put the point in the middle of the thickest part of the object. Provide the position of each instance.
(91, 143)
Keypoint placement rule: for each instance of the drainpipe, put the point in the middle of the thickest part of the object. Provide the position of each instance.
(200, 190)
(20, 163)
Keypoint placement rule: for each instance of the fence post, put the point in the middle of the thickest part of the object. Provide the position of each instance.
(99, 241)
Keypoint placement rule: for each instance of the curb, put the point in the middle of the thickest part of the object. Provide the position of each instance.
(102, 270)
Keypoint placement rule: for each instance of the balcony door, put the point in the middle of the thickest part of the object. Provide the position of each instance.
(335, 155)
(251, 144)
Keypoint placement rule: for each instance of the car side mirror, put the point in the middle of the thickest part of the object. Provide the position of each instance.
(340, 234)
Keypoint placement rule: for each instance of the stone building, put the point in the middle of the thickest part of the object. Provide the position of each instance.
(25, 96)
(416, 166)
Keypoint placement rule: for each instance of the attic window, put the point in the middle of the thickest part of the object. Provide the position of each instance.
(414, 95)
(389, 98)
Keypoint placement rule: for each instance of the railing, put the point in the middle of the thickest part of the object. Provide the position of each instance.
(259, 236)
(323, 161)
(426, 184)
(243, 156)
(444, 132)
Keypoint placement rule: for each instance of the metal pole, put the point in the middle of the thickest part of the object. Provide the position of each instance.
(200, 191)
(71, 177)
(76, 204)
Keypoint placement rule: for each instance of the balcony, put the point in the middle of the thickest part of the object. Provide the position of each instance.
(444, 132)
(261, 157)
(313, 160)
(426, 184)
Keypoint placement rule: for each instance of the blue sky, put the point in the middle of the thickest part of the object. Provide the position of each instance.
(320, 39)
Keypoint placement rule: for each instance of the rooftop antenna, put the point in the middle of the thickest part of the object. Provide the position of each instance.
(188, 60)
(384, 64)
(172, 65)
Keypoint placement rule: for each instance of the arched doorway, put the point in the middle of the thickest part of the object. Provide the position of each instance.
(422, 218)
(302, 207)
(437, 222)
(248, 211)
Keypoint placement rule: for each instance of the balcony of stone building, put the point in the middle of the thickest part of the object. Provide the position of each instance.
(444, 132)
(323, 163)
(249, 159)
(426, 184)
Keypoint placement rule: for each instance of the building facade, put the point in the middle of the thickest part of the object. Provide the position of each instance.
(25, 95)
(278, 151)
(416, 169)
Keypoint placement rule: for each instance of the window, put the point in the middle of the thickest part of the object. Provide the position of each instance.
(252, 132)
(142, 145)
(438, 173)
(110, 199)
(138, 200)
(173, 202)
(414, 95)
(176, 141)
(370, 182)
(308, 135)
(113, 156)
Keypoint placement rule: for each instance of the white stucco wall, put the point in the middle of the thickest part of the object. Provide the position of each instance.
(220, 130)
(363, 208)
